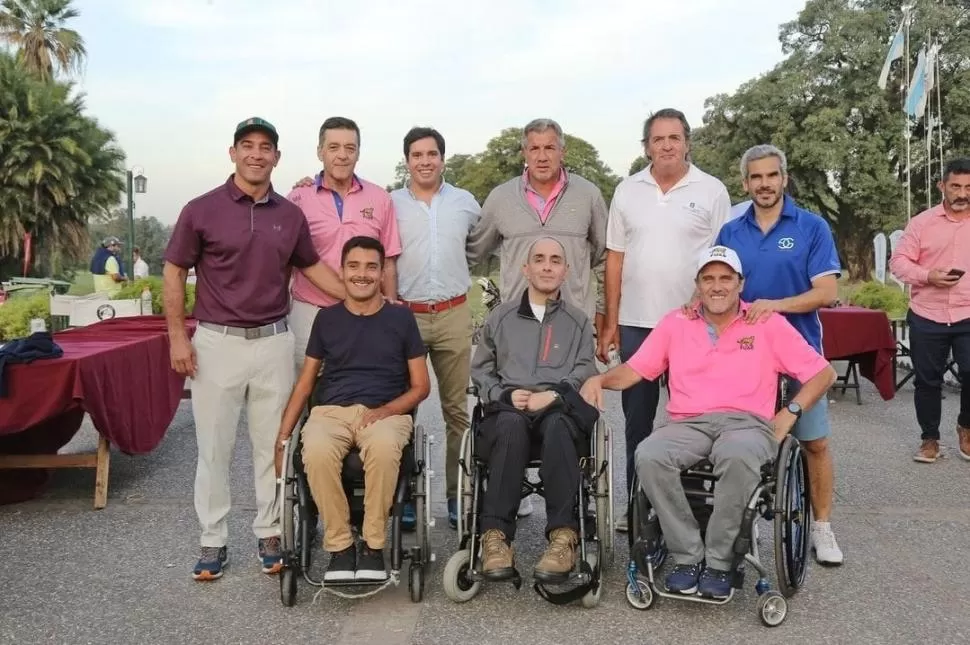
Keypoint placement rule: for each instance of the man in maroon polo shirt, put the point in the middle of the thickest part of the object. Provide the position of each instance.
(242, 239)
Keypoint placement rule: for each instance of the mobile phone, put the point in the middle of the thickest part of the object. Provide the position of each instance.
(956, 273)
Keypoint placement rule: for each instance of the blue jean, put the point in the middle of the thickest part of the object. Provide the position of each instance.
(639, 402)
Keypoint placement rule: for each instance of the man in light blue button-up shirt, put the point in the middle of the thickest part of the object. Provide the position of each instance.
(434, 219)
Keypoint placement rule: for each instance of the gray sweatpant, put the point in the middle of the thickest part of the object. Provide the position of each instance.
(737, 445)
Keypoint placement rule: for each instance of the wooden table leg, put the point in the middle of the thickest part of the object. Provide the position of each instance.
(101, 474)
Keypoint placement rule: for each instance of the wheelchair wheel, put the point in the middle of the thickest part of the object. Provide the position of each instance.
(772, 609)
(458, 587)
(793, 517)
(603, 472)
(593, 559)
(288, 587)
(641, 597)
(416, 582)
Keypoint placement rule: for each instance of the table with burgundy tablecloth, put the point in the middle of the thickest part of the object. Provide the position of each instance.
(864, 338)
(118, 371)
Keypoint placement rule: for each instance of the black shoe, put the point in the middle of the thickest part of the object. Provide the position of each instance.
(370, 565)
(343, 565)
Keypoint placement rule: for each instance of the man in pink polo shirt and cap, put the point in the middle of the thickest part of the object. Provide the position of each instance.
(723, 375)
(339, 205)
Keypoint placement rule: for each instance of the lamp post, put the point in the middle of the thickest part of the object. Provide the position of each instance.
(137, 183)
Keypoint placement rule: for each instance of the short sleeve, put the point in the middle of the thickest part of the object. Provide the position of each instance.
(793, 355)
(653, 357)
(823, 257)
(413, 344)
(185, 245)
(615, 226)
(390, 235)
(111, 266)
(304, 254)
(316, 347)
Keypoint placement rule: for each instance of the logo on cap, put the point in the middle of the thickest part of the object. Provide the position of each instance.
(718, 252)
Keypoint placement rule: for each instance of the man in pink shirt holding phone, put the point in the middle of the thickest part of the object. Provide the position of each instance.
(723, 375)
(931, 257)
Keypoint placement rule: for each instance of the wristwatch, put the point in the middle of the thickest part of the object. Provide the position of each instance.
(795, 409)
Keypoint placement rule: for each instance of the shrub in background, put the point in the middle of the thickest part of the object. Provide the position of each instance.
(888, 298)
(16, 314)
(133, 291)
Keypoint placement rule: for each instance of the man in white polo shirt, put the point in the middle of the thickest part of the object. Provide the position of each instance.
(660, 220)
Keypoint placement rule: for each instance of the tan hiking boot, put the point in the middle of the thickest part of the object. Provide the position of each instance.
(497, 556)
(928, 452)
(964, 435)
(560, 558)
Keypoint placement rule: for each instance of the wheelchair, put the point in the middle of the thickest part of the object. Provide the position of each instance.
(462, 574)
(298, 516)
(782, 497)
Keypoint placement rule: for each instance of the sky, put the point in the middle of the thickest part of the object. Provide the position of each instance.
(172, 78)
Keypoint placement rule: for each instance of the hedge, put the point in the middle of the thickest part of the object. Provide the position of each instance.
(17, 312)
(888, 298)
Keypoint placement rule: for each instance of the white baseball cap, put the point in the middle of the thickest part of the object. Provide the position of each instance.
(720, 254)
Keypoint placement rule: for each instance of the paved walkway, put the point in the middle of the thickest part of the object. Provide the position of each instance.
(121, 575)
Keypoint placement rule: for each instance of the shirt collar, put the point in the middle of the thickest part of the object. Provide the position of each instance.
(525, 307)
(318, 183)
(789, 209)
(237, 194)
(528, 185)
(693, 175)
(440, 191)
(699, 310)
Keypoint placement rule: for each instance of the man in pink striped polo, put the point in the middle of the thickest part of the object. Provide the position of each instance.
(339, 205)
(932, 256)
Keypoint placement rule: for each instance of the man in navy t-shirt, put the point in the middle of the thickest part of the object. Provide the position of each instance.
(791, 267)
(374, 376)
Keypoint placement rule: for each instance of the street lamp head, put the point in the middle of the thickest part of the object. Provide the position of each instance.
(140, 182)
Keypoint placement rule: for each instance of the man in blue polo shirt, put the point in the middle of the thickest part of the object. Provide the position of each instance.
(791, 267)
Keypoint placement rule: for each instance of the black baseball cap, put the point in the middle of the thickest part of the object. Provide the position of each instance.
(253, 124)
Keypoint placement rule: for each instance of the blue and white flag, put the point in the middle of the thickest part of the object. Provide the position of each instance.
(918, 90)
(895, 52)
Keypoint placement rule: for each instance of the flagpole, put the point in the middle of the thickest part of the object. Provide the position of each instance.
(939, 108)
(907, 132)
(928, 129)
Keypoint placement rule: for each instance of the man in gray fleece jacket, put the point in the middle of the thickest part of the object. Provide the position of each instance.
(546, 200)
(536, 352)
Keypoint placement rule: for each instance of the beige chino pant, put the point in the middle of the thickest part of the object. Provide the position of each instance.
(448, 337)
(234, 372)
(328, 435)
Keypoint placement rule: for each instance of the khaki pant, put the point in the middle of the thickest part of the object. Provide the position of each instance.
(328, 436)
(448, 337)
(301, 320)
(233, 372)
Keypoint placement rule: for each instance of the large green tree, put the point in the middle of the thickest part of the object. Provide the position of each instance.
(844, 137)
(151, 236)
(36, 30)
(58, 168)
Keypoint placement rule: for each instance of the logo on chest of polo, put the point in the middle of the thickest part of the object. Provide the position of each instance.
(746, 343)
(367, 213)
(786, 243)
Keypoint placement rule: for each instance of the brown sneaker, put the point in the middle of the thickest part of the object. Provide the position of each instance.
(964, 435)
(560, 558)
(497, 557)
(928, 452)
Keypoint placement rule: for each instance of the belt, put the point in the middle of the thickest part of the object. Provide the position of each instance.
(434, 307)
(249, 333)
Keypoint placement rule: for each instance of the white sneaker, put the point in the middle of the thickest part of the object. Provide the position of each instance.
(525, 506)
(827, 551)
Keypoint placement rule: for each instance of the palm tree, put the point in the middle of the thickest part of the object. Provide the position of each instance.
(35, 28)
(58, 168)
